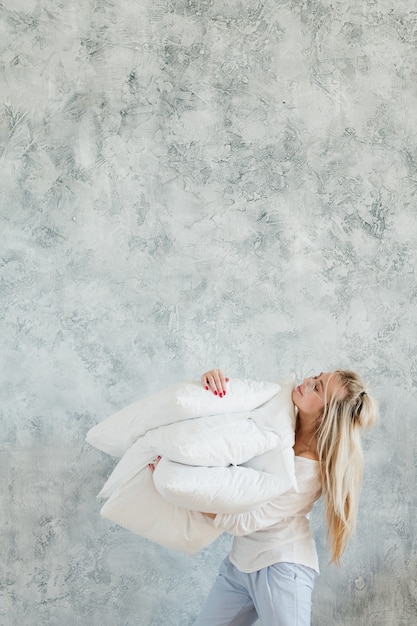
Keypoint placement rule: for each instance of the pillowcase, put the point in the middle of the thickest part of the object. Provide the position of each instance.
(118, 432)
(139, 507)
(217, 440)
(233, 489)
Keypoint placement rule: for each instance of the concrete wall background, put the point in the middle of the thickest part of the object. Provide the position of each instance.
(191, 184)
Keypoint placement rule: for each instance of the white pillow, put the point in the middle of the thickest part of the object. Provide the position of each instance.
(242, 395)
(232, 489)
(138, 507)
(278, 415)
(216, 440)
(118, 432)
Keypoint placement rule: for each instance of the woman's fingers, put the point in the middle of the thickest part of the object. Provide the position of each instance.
(215, 381)
(212, 382)
(152, 466)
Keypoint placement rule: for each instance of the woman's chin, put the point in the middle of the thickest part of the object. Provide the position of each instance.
(294, 397)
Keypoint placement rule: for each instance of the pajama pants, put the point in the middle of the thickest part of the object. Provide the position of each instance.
(279, 595)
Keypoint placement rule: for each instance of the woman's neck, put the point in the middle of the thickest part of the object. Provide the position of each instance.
(305, 438)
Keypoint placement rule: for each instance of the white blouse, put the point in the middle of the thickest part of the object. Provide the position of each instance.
(278, 531)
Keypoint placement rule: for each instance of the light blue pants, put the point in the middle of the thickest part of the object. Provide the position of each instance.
(279, 595)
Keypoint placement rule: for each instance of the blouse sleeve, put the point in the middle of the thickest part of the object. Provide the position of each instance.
(289, 504)
(246, 523)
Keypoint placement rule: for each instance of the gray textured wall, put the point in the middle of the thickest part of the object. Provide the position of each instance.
(189, 184)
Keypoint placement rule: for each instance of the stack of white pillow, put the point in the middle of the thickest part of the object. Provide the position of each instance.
(219, 455)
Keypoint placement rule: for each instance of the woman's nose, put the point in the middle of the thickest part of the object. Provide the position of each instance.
(308, 384)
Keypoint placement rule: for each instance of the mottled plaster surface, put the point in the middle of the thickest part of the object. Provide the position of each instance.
(189, 184)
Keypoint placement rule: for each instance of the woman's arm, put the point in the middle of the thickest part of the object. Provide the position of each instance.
(289, 504)
(240, 524)
(243, 523)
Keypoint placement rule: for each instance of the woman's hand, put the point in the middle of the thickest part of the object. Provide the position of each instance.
(152, 466)
(215, 381)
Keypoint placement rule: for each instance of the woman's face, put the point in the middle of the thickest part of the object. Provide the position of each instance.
(309, 397)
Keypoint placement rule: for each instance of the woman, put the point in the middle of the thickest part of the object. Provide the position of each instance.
(270, 571)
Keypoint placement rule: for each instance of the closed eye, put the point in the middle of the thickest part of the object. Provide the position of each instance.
(319, 383)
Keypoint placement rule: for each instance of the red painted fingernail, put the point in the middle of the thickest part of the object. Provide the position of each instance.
(206, 388)
(224, 393)
(215, 393)
(221, 395)
(227, 380)
(159, 458)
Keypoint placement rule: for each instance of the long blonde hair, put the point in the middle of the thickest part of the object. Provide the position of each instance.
(349, 410)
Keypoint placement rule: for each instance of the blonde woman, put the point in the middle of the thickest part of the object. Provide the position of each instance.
(273, 563)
